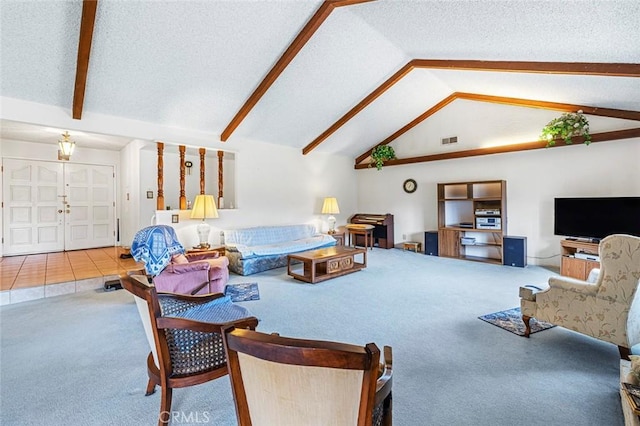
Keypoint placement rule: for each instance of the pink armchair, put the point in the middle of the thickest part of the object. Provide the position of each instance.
(174, 272)
(194, 274)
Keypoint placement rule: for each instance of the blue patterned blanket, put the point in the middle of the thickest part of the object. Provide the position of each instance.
(155, 245)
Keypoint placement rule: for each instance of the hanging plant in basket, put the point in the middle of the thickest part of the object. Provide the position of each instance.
(380, 154)
(566, 126)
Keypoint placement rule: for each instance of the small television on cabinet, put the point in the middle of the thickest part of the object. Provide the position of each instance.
(596, 217)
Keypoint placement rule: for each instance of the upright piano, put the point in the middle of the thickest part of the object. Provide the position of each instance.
(383, 231)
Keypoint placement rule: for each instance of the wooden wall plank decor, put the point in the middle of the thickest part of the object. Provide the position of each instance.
(160, 200)
(220, 180)
(183, 198)
(202, 152)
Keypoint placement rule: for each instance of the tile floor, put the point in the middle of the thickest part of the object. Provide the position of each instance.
(35, 276)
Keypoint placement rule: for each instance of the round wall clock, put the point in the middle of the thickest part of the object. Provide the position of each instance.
(409, 186)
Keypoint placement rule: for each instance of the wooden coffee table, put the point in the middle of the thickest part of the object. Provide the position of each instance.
(326, 263)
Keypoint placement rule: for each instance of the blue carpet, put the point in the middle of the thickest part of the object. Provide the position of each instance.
(511, 320)
(242, 292)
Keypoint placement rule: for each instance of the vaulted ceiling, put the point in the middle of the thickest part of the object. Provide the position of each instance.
(337, 76)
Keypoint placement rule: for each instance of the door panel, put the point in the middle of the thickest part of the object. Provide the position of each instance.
(90, 213)
(33, 220)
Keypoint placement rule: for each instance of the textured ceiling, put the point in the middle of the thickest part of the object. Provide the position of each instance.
(193, 64)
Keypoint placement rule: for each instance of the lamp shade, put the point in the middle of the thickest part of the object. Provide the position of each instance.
(330, 206)
(204, 207)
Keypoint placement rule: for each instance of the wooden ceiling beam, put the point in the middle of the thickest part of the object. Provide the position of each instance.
(87, 24)
(596, 137)
(399, 75)
(556, 106)
(571, 68)
(419, 119)
(294, 48)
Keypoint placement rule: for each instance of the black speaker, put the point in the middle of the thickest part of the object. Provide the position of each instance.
(431, 243)
(514, 250)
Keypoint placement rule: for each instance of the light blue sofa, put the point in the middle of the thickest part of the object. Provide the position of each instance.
(252, 250)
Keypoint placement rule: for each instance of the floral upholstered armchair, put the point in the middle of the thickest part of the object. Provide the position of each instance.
(608, 308)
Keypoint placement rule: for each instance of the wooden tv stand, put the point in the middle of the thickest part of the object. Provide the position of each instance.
(570, 265)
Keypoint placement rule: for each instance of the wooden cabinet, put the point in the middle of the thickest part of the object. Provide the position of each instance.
(472, 219)
(570, 265)
(449, 243)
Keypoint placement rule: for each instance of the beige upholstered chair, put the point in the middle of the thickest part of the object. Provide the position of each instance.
(607, 308)
(184, 333)
(291, 382)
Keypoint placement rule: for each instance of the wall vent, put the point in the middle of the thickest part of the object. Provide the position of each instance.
(447, 141)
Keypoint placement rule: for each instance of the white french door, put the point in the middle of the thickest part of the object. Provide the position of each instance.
(33, 219)
(89, 213)
(51, 206)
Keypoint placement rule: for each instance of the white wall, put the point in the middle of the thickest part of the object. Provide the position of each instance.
(533, 178)
(273, 184)
(171, 177)
(129, 194)
(49, 152)
(277, 185)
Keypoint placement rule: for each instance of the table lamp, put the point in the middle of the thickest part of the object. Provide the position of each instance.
(330, 207)
(204, 207)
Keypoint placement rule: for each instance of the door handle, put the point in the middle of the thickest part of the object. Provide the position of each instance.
(59, 211)
(68, 211)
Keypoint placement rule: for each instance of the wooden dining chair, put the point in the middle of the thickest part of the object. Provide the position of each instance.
(184, 333)
(284, 381)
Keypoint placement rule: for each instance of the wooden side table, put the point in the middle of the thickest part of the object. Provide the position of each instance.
(218, 249)
(366, 230)
(630, 418)
(339, 237)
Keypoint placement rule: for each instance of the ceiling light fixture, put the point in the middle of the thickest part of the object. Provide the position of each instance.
(66, 147)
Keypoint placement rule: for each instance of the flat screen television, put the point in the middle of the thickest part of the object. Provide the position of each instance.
(596, 218)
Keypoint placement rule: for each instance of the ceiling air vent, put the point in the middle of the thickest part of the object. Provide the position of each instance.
(447, 141)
